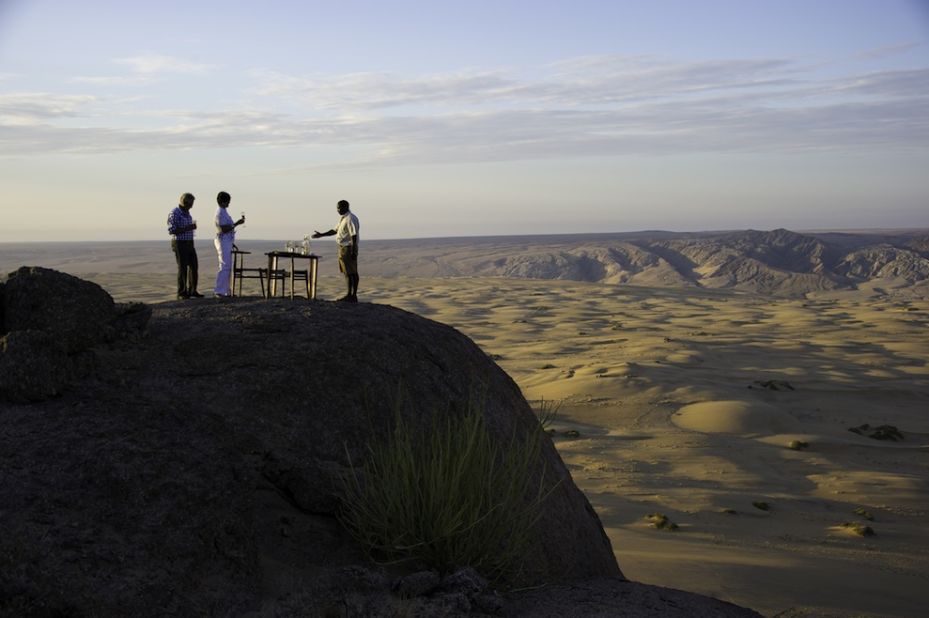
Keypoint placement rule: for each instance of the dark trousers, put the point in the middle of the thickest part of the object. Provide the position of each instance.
(187, 265)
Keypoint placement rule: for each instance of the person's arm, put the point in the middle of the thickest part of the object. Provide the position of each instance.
(231, 228)
(321, 234)
(354, 248)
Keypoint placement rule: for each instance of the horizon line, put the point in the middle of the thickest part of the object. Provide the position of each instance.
(890, 231)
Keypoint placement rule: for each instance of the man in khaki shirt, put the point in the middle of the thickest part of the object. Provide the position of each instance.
(346, 234)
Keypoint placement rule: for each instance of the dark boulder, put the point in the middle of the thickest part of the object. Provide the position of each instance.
(65, 317)
(75, 312)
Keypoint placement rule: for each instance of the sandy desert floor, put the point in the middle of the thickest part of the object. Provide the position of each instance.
(664, 411)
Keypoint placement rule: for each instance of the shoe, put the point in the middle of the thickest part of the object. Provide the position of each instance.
(196, 295)
(182, 296)
(344, 299)
(222, 295)
(353, 298)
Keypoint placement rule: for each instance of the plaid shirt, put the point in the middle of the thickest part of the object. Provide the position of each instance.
(177, 219)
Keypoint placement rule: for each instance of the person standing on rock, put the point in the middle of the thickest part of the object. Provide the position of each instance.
(346, 234)
(225, 238)
(181, 226)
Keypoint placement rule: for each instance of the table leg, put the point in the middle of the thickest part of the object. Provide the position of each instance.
(313, 278)
(272, 287)
(291, 277)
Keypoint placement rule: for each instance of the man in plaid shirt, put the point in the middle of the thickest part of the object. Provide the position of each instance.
(181, 226)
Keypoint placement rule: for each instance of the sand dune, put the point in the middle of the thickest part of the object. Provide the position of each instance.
(673, 401)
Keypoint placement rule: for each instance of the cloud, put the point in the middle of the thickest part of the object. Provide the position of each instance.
(111, 80)
(150, 64)
(592, 106)
(888, 51)
(29, 108)
(595, 80)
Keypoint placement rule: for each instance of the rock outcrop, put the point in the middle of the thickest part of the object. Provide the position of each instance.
(191, 468)
(48, 323)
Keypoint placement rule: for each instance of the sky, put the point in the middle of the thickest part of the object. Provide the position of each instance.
(452, 118)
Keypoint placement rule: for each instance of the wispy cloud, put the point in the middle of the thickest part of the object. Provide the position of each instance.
(889, 50)
(594, 106)
(145, 70)
(595, 80)
(150, 64)
(111, 80)
(31, 108)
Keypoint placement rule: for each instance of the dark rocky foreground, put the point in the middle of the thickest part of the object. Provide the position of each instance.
(183, 460)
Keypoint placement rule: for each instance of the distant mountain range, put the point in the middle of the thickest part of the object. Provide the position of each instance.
(777, 262)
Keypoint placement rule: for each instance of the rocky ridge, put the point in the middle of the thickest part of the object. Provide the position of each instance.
(778, 262)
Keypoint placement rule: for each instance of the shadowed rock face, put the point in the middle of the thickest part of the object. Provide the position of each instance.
(153, 476)
(193, 471)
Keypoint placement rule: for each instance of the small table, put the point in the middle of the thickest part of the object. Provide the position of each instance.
(275, 256)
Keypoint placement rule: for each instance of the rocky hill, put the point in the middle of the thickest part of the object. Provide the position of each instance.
(777, 262)
(184, 459)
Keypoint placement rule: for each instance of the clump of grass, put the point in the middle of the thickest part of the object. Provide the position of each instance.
(661, 521)
(861, 512)
(858, 528)
(547, 413)
(763, 506)
(447, 497)
(798, 445)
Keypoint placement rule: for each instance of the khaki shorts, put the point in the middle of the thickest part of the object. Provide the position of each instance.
(348, 263)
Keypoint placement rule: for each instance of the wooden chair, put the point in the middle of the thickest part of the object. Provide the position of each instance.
(276, 276)
(239, 272)
(302, 275)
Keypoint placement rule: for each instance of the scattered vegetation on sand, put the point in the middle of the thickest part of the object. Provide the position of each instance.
(858, 528)
(773, 385)
(447, 497)
(547, 413)
(763, 506)
(798, 445)
(861, 512)
(881, 432)
(661, 521)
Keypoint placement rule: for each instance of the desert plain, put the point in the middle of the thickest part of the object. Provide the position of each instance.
(725, 412)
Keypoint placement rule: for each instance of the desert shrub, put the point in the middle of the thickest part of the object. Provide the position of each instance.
(859, 529)
(448, 496)
(547, 413)
(661, 521)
